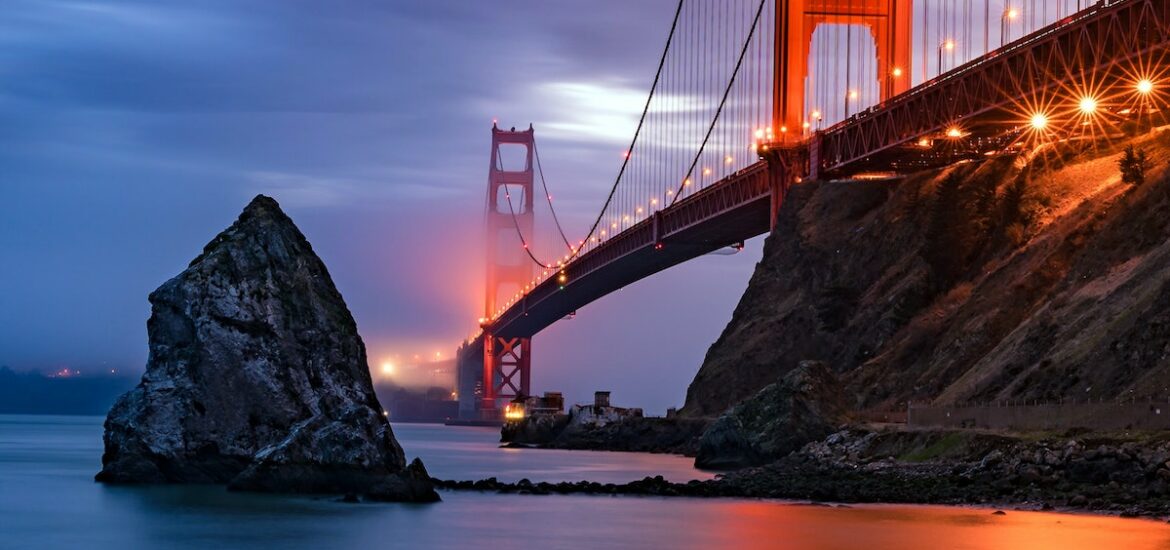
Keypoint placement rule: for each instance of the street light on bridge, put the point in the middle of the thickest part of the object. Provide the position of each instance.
(1088, 105)
(1010, 14)
(947, 45)
(1039, 121)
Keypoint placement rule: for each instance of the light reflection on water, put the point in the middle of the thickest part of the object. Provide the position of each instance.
(472, 453)
(48, 500)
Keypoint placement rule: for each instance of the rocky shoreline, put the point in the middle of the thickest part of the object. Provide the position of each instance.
(1126, 475)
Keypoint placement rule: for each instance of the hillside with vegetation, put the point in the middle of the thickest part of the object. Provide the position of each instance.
(1043, 275)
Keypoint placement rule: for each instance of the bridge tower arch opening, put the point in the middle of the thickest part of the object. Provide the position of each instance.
(837, 88)
(507, 358)
(889, 23)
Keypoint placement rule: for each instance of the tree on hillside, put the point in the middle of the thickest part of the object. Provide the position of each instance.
(983, 201)
(946, 230)
(1133, 165)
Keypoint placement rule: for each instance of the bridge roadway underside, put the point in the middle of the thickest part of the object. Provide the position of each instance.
(728, 212)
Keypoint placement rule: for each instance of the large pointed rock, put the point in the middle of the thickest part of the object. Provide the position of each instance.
(257, 378)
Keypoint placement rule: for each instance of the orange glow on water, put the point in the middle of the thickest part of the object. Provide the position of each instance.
(757, 524)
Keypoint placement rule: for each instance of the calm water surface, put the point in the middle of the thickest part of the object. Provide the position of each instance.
(48, 500)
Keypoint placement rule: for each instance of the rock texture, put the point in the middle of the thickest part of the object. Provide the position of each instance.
(805, 405)
(1058, 290)
(257, 378)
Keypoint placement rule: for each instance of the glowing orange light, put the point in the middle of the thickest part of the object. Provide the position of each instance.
(1088, 105)
(513, 412)
(706, 172)
(897, 71)
(1145, 86)
(1039, 121)
(954, 132)
(949, 45)
(924, 143)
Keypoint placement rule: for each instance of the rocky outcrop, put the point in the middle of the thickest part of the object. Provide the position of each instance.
(804, 406)
(257, 378)
(1046, 280)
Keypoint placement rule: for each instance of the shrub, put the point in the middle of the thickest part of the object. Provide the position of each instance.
(1133, 165)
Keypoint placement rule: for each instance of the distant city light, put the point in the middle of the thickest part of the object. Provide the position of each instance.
(954, 132)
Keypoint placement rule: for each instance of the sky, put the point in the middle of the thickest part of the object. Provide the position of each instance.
(133, 131)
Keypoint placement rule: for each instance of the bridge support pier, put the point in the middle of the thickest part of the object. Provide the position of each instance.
(507, 361)
(507, 370)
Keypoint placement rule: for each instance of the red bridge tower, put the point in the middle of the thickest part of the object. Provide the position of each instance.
(507, 359)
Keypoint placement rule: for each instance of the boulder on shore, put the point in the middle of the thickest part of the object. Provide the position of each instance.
(257, 378)
(805, 405)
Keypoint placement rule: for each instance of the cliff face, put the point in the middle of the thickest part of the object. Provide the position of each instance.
(257, 377)
(1042, 277)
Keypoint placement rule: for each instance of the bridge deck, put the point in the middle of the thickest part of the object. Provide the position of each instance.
(982, 97)
(1094, 51)
(730, 211)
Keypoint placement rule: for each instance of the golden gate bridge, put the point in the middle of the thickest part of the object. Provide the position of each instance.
(751, 97)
